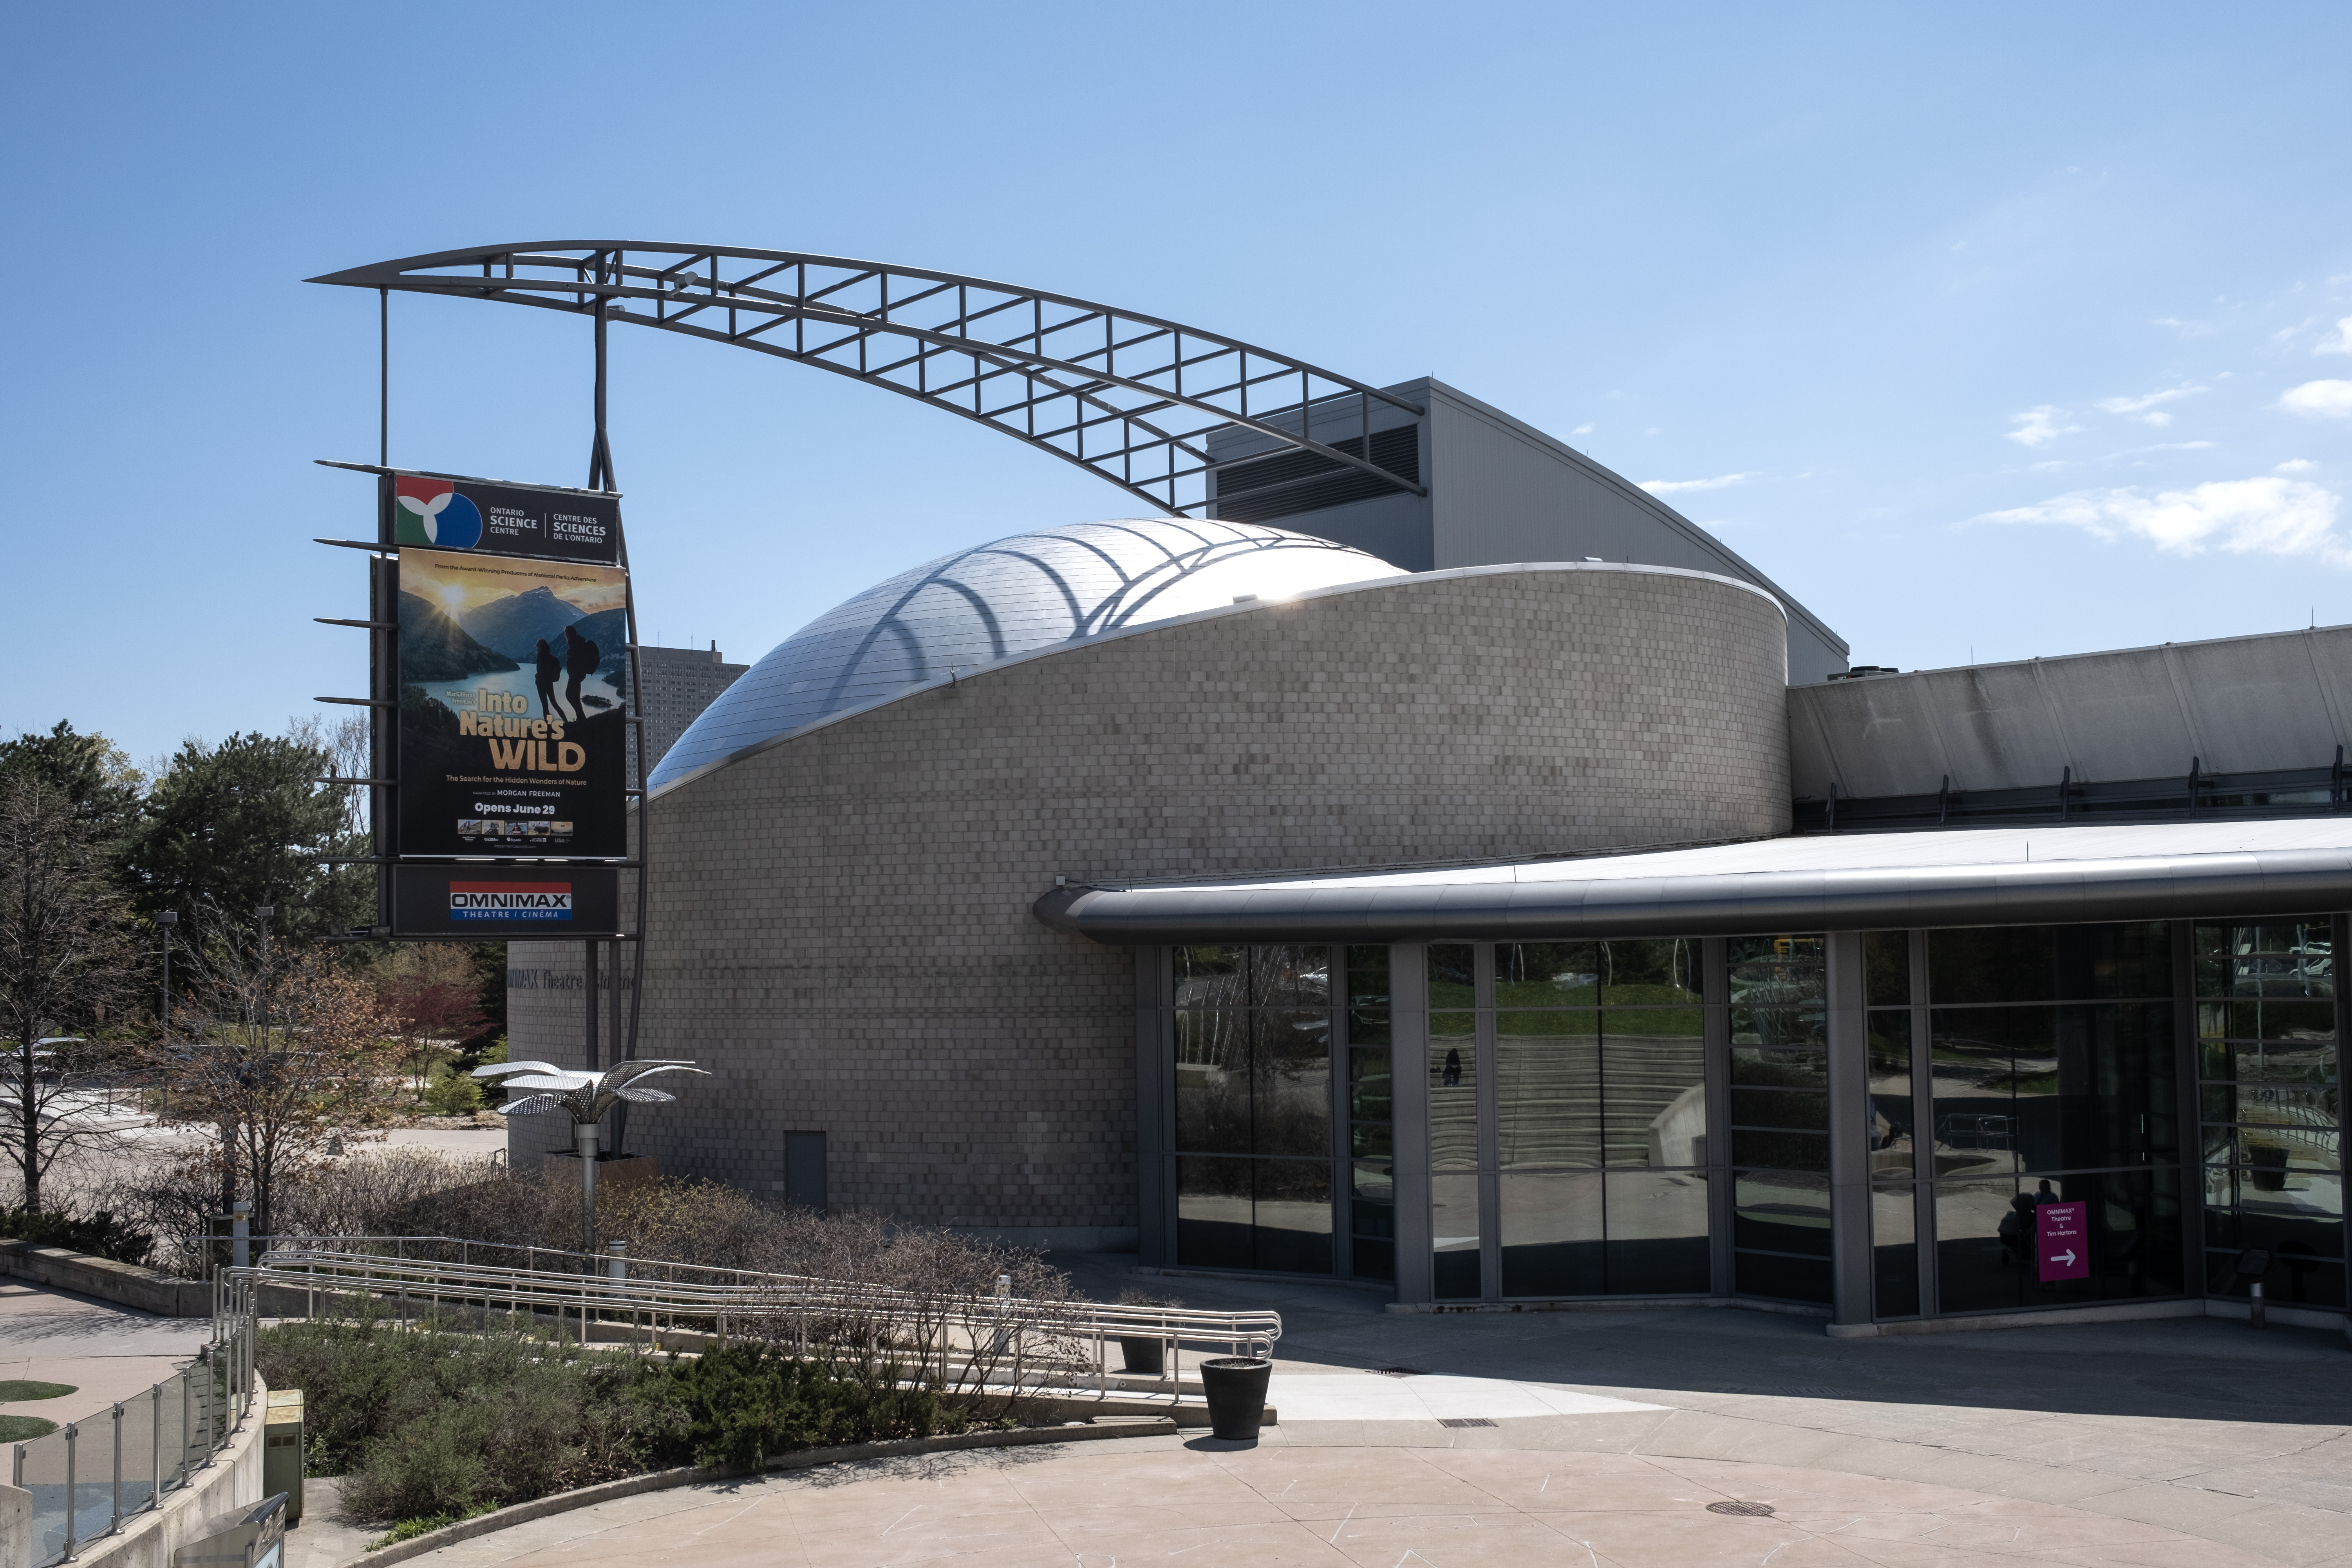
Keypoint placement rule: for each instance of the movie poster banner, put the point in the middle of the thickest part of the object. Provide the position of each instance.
(512, 734)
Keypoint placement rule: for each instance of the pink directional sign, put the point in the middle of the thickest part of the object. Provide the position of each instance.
(2059, 1241)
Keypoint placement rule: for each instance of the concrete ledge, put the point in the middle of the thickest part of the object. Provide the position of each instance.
(124, 1284)
(663, 1480)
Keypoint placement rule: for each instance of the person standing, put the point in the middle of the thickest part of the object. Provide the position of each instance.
(550, 665)
(580, 660)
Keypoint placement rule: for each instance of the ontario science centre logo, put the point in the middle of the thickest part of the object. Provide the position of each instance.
(431, 512)
(510, 900)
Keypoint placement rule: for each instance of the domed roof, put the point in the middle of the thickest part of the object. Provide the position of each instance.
(1026, 594)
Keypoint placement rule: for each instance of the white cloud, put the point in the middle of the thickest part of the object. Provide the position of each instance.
(2186, 329)
(1582, 430)
(2325, 398)
(1677, 486)
(2258, 516)
(2176, 446)
(2295, 466)
(2145, 405)
(2341, 343)
(2038, 425)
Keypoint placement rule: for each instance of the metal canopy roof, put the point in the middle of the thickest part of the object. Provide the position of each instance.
(1128, 397)
(1972, 876)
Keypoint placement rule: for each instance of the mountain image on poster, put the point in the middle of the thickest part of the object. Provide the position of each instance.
(511, 728)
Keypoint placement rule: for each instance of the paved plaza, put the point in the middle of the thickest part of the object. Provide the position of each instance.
(1594, 1437)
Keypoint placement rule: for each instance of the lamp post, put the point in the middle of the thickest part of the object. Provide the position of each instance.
(586, 1096)
(165, 921)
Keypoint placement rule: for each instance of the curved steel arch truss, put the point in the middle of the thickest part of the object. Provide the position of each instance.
(1129, 398)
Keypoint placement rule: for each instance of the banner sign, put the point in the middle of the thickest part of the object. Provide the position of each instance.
(512, 680)
(2061, 1242)
(445, 513)
(506, 903)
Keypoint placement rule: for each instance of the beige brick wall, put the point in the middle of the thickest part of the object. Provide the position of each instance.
(841, 923)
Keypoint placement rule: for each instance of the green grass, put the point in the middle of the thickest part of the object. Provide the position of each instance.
(12, 1389)
(24, 1428)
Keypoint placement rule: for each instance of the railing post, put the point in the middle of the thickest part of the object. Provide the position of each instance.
(187, 1390)
(155, 1431)
(73, 1433)
(115, 1524)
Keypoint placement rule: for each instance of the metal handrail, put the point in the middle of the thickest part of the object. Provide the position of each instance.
(748, 1296)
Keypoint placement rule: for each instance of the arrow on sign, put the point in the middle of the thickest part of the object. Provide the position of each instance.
(2067, 1258)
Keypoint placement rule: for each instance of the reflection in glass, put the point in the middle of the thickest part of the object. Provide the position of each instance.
(1373, 1220)
(1213, 1213)
(1654, 1088)
(1784, 1069)
(1291, 1081)
(1546, 974)
(1453, 1093)
(1768, 969)
(1893, 1119)
(1657, 1233)
(2050, 1089)
(1213, 1091)
(1370, 1089)
(1660, 972)
(1886, 968)
(1895, 1251)
(1452, 974)
(1292, 1232)
(1453, 1232)
(1779, 1028)
(2049, 964)
(1293, 975)
(1551, 1236)
(1547, 1088)
(1790, 1151)
(1780, 1211)
(1987, 1240)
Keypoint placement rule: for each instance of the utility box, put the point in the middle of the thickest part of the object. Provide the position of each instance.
(249, 1537)
(282, 1447)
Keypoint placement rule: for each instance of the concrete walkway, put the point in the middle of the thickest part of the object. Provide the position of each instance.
(1098, 1505)
(1599, 1437)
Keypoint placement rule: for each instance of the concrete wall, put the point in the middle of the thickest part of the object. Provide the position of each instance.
(2234, 705)
(841, 923)
(126, 1285)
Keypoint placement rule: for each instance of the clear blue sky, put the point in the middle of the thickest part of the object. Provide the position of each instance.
(2018, 329)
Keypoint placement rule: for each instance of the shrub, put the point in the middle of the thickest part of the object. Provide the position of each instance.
(425, 1422)
(452, 1093)
(744, 1403)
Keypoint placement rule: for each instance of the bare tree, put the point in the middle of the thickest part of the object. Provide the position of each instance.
(289, 1058)
(65, 954)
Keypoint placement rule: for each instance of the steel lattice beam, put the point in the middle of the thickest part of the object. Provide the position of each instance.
(1128, 397)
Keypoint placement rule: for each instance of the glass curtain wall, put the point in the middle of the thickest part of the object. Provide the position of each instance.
(1372, 1121)
(2268, 1089)
(1260, 1043)
(1592, 1182)
(2053, 1058)
(1894, 1125)
(1779, 1116)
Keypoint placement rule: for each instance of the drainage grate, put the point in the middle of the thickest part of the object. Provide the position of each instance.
(1464, 1421)
(1746, 1510)
(1400, 1372)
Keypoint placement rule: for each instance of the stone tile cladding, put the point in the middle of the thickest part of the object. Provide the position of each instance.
(841, 925)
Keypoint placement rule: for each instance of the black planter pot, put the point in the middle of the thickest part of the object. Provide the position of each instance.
(1146, 1357)
(1235, 1385)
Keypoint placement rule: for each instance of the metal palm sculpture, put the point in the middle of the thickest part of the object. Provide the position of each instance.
(586, 1096)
